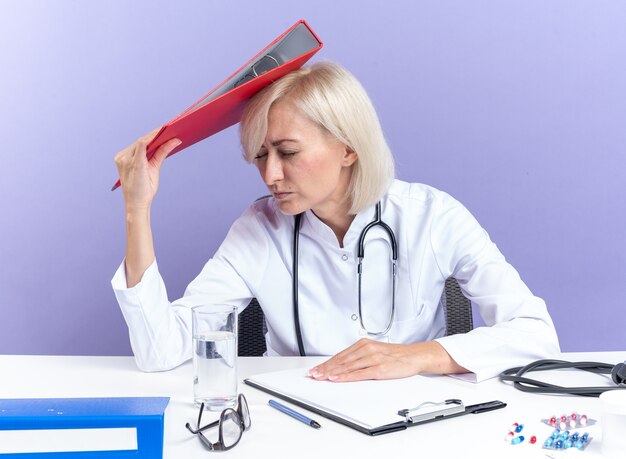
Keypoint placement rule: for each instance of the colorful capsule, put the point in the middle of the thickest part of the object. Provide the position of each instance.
(517, 440)
(548, 442)
(533, 440)
(519, 428)
(558, 444)
(572, 423)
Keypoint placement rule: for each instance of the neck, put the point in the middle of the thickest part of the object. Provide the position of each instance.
(338, 221)
(335, 211)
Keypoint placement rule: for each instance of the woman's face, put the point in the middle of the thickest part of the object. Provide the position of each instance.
(303, 166)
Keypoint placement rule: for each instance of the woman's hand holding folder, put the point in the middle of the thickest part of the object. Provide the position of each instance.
(140, 181)
(138, 174)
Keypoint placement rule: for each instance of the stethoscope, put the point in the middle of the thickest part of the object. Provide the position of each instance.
(361, 254)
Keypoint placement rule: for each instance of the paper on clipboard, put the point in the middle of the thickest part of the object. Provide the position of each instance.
(366, 404)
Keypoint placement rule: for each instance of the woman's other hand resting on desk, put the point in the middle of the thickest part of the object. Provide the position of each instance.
(368, 359)
(140, 180)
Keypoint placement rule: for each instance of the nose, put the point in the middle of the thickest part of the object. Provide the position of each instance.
(272, 170)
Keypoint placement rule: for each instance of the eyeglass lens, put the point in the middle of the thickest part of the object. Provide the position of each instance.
(230, 429)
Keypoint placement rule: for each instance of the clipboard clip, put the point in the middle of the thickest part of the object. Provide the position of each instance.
(432, 410)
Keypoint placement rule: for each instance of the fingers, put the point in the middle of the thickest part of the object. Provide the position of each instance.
(360, 354)
(123, 157)
(322, 371)
(141, 147)
(368, 367)
(141, 144)
(367, 359)
(139, 174)
(163, 151)
(373, 372)
(135, 154)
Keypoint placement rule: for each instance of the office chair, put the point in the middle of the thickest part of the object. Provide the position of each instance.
(252, 328)
(457, 308)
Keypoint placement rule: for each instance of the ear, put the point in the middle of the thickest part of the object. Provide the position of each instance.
(349, 157)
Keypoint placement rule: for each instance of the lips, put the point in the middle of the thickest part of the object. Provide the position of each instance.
(280, 195)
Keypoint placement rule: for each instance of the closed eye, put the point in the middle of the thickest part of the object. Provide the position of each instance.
(283, 153)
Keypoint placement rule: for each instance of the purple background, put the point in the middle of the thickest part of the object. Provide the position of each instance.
(516, 108)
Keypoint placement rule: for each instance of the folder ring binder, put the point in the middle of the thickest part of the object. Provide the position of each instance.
(265, 64)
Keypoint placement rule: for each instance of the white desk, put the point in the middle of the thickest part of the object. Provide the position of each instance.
(275, 435)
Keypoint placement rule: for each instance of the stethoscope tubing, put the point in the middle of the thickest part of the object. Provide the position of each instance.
(361, 255)
(294, 290)
(394, 257)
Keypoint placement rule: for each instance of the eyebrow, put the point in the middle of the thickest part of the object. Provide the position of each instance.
(277, 143)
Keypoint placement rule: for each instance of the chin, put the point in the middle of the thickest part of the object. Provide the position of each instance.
(288, 208)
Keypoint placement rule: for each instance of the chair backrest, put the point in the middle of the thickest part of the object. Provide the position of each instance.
(457, 308)
(252, 327)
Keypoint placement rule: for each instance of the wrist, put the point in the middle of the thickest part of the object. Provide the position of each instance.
(138, 209)
(431, 357)
(440, 362)
(137, 214)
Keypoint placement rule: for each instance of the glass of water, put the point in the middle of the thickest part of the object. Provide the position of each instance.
(215, 356)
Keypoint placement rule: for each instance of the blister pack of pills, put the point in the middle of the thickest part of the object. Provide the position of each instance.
(564, 439)
(571, 421)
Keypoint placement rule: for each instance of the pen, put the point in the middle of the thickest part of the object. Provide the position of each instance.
(294, 414)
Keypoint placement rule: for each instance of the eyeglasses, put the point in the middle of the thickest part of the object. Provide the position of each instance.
(231, 424)
(265, 64)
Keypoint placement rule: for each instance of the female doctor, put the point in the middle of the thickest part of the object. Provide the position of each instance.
(317, 143)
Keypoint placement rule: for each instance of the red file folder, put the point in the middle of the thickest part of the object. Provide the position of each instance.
(223, 106)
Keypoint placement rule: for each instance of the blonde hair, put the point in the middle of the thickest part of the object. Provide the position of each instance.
(333, 98)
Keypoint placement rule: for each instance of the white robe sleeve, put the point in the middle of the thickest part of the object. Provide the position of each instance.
(160, 331)
(518, 327)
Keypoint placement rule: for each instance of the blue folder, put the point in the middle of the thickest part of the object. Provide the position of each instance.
(142, 416)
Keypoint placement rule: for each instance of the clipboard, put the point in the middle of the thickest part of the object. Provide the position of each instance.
(371, 407)
(223, 106)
